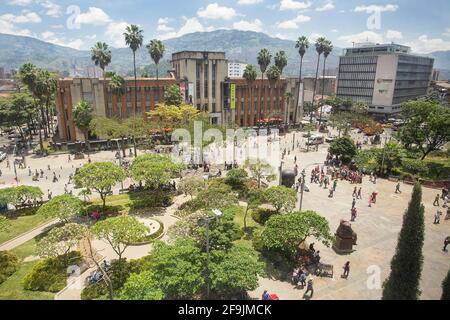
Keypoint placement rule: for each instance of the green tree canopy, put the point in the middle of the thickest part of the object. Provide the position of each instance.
(260, 170)
(21, 195)
(4, 224)
(427, 125)
(155, 170)
(287, 232)
(217, 195)
(172, 96)
(82, 116)
(100, 177)
(141, 286)
(192, 186)
(281, 198)
(62, 207)
(343, 148)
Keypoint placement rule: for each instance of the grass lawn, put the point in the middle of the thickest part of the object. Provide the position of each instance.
(12, 288)
(21, 224)
(252, 225)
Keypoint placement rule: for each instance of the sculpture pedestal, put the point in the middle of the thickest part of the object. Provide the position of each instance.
(345, 238)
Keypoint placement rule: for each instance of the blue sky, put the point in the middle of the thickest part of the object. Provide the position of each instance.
(424, 25)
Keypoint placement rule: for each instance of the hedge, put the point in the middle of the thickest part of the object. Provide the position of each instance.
(8, 265)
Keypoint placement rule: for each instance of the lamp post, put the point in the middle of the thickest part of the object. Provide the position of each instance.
(302, 189)
(384, 154)
(206, 222)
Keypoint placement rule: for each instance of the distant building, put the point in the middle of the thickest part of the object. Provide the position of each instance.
(383, 76)
(93, 72)
(2, 73)
(236, 69)
(436, 75)
(440, 90)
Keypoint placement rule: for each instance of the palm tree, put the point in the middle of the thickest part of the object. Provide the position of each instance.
(250, 74)
(118, 88)
(320, 45)
(273, 75)
(288, 96)
(101, 55)
(264, 58)
(281, 60)
(82, 116)
(134, 38)
(156, 49)
(328, 48)
(302, 45)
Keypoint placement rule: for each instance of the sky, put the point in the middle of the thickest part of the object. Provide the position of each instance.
(423, 25)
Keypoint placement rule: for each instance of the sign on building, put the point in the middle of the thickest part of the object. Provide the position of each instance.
(233, 96)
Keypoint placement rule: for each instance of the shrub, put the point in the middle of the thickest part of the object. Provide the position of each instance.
(261, 215)
(50, 274)
(8, 265)
(414, 166)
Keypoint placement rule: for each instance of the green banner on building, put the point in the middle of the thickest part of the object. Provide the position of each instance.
(233, 96)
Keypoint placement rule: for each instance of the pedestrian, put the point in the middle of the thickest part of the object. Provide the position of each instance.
(346, 270)
(353, 203)
(437, 217)
(446, 243)
(397, 189)
(331, 194)
(436, 201)
(335, 185)
(359, 196)
(354, 212)
(302, 279)
(265, 295)
(310, 288)
(311, 247)
(355, 192)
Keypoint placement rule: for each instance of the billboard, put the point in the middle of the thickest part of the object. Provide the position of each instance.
(233, 96)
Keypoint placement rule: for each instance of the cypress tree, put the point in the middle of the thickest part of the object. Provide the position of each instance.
(406, 265)
(446, 287)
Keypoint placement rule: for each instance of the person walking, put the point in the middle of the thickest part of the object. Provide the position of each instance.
(265, 295)
(446, 243)
(309, 289)
(302, 280)
(354, 212)
(355, 192)
(437, 217)
(359, 196)
(397, 189)
(353, 203)
(436, 201)
(335, 185)
(346, 270)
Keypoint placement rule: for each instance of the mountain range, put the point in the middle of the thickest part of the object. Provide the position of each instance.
(238, 45)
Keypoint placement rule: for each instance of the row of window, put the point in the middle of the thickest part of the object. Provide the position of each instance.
(355, 92)
(356, 76)
(356, 83)
(359, 60)
(358, 68)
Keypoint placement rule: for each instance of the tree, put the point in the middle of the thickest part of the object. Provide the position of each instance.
(254, 198)
(264, 58)
(134, 38)
(217, 195)
(110, 129)
(141, 287)
(287, 232)
(60, 241)
(302, 45)
(101, 55)
(4, 224)
(16, 111)
(63, 208)
(250, 75)
(155, 170)
(446, 287)
(259, 170)
(236, 178)
(191, 186)
(343, 148)
(156, 49)
(234, 272)
(320, 47)
(222, 232)
(100, 177)
(178, 268)
(172, 96)
(327, 49)
(281, 61)
(406, 265)
(82, 116)
(273, 73)
(21, 195)
(427, 125)
(120, 232)
(367, 160)
(136, 127)
(281, 198)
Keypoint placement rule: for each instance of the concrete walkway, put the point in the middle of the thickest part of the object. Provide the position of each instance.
(19, 240)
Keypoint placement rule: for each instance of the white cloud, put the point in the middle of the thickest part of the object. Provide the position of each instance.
(255, 25)
(47, 35)
(162, 25)
(314, 36)
(94, 16)
(447, 33)
(328, 5)
(293, 23)
(377, 8)
(426, 45)
(393, 34)
(365, 36)
(53, 10)
(21, 3)
(25, 17)
(249, 2)
(51, 37)
(190, 26)
(294, 5)
(8, 28)
(115, 31)
(214, 11)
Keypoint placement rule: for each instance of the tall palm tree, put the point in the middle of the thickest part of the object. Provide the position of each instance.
(101, 55)
(118, 88)
(328, 48)
(288, 96)
(264, 58)
(134, 38)
(273, 75)
(302, 45)
(156, 49)
(281, 60)
(320, 45)
(250, 74)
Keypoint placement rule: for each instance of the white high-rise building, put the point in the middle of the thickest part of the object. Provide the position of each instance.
(236, 69)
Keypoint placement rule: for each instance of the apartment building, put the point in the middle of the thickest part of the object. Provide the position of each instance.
(383, 76)
(236, 69)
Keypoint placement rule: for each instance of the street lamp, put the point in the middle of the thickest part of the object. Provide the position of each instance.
(206, 221)
(302, 189)
(384, 154)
